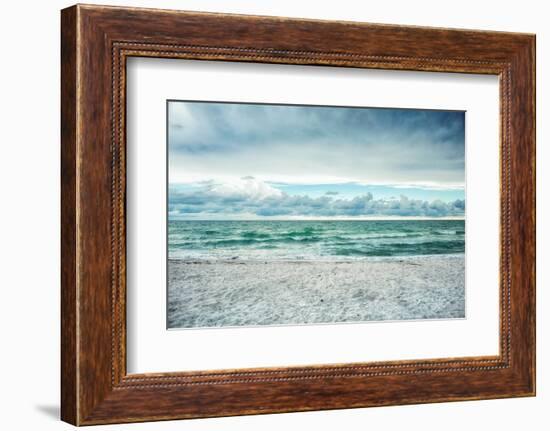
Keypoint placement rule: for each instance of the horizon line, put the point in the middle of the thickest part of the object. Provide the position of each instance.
(396, 218)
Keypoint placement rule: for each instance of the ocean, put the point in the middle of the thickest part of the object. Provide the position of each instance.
(313, 240)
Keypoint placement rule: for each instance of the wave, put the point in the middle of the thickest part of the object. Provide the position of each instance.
(448, 232)
(258, 241)
(254, 235)
(301, 239)
(404, 249)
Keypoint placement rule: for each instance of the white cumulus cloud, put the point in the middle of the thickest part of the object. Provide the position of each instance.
(248, 187)
(249, 197)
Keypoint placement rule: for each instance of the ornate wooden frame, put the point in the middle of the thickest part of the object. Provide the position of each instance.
(96, 41)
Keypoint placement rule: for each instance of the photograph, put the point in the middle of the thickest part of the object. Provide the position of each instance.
(297, 214)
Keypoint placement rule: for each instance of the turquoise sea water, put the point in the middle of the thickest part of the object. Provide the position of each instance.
(313, 240)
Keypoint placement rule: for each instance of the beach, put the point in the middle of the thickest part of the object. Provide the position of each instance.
(237, 292)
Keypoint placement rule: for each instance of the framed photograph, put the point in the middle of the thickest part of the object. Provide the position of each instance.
(264, 214)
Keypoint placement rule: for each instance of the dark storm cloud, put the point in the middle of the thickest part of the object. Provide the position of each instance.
(390, 146)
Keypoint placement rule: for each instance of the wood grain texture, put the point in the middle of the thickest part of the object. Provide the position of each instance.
(69, 366)
(96, 41)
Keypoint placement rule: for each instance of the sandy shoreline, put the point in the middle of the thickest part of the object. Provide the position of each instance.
(249, 293)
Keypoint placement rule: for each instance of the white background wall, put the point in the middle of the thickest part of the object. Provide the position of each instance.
(29, 225)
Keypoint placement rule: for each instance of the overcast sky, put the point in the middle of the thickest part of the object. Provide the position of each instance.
(253, 161)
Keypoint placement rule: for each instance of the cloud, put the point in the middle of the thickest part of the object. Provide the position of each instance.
(289, 143)
(245, 188)
(251, 198)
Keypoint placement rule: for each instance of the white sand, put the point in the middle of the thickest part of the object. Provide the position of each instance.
(237, 293)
